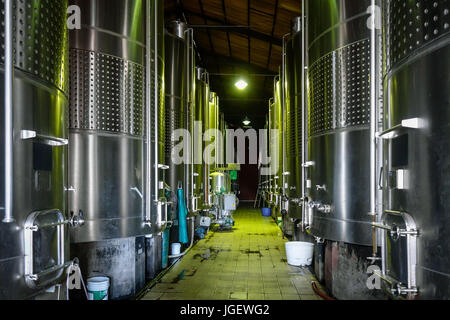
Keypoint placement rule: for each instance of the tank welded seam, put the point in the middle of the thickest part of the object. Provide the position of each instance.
(417, 54)
(105, 134)
(368, 223)
(174, 96)
(340, 130)
(175, 37)
(112, 33)
(114, 219)
(36, 81)
(11, 259)
(434, 271)
(336, 50)
(141, 65)
(336, 26)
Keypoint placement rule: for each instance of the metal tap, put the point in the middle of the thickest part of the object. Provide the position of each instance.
(323, 208)
(77, 220)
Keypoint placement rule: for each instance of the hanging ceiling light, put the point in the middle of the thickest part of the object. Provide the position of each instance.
(246, 121)
(241, 85)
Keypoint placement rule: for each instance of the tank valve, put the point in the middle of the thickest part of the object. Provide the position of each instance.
(396, 233)
(324, 208)
(401, 290)
(319, 240)
(77, 220)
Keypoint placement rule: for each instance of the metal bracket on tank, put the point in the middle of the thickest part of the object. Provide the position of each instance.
(139, 193)
(308, 164)
(163, 167)
(163, 223)
(44, 139)
(195, 203)
(391, 133)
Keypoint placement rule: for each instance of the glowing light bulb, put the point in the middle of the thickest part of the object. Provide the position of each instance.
(241, 84)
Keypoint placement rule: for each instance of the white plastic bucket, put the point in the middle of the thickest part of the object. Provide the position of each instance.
(299, 254)
(97, 288)
(176, 249)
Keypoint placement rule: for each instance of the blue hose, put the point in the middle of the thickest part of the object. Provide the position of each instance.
(182, 215)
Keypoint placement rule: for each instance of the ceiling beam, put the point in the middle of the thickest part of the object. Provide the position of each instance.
(209, 33)
(243, 31)
(273, 32)
(224, 9)
(209, 57)
(249, 39)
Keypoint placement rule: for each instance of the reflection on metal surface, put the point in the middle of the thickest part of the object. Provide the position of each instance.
(294, 123)
(117, 136)
(339, 76)
(107, 122)
(417, 90)
(40, 102)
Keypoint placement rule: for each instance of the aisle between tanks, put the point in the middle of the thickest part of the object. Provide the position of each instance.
(246, 264)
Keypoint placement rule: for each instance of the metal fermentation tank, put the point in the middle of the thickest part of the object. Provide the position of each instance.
(34, 236)
(276, 148)
(201, 116)
(339, 118)
(294, 125)
(176, 104)
(108, 139)
(214, 124)
(416, 208)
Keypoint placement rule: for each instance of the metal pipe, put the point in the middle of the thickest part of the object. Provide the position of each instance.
(206, 124)
(8, 112)
(216, 127)
(283, 117)
(159, 202)
(373, 124)
(304, 114)
(269, 144)
(148, 160)
(156, 110)
(189, 176)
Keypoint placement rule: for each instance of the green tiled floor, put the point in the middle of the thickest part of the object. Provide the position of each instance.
(246, 264)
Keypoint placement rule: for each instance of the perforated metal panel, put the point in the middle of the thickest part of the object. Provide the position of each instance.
(107, 93)
(340, 89)
(411, 25)
(292, 139)
(40, 39)
(172, 122)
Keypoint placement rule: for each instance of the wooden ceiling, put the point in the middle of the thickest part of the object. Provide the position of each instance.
(234, 39)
